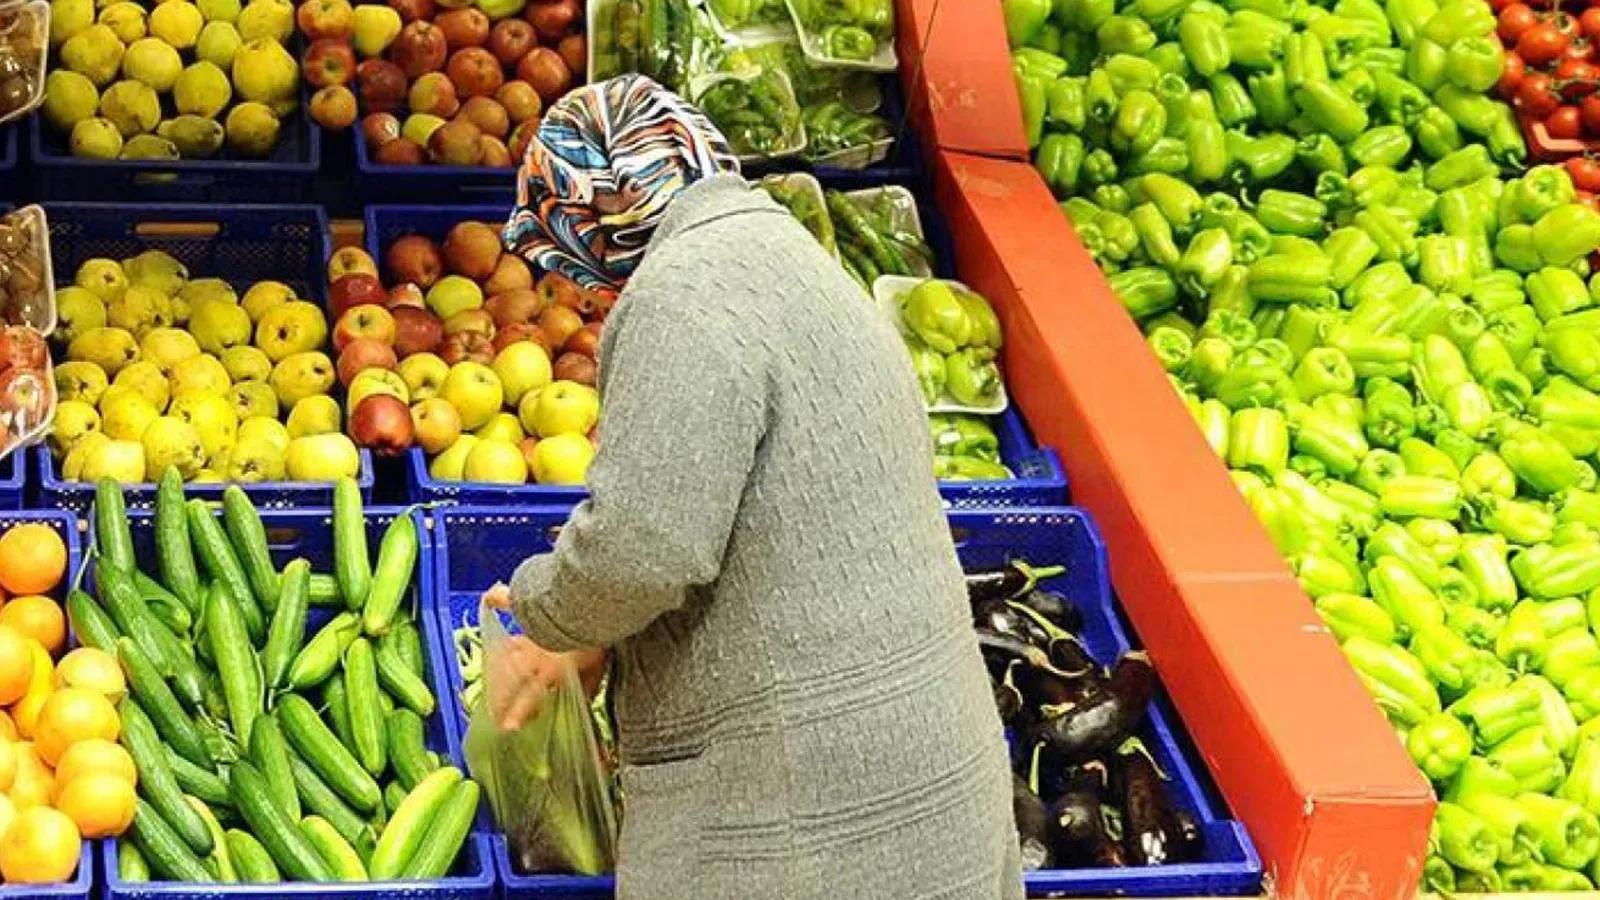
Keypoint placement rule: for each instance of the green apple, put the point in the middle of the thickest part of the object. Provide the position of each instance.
(302, 375)
(322, 457)
(502, 427)
(424, 375)
(562, 459)
(261, 428)
(75, 420)
(289, 328)
(119, 460)
(314, 415)
(565, 407)
(496, 462)
(436, 423)
(200, 375)
(475, 391)
(523, 366)
(453, 294)
(376, 381)
(452, 463)
(145, 379)
(170, 441)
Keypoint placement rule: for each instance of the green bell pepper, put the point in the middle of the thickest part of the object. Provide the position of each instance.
(1155, 234)
(1318, 153)
(1563, 402)
(1059, 160)
(1065, 103)
(1382, 145)
(1566, 233)
(1261, 159)
(1145, 291)
(1555, 292)
(1394, 677)
(1488, 474)
(1234, 106)
(1460, 167)
(1547, 571)
(1207, 148)
(1568, 835)
(1463, 839)
(1205, 42)
(1332, 109)
(1259, 439)
(1403, 595)
(1481, 777)
(1478, 627)
(1395, 236)
(1348, 615)
(1423, 458)
(1576, 353)
(1507, 820)
(1291, 279)
(1494, 713)
(1533, 758)
(1269, 91)
(1439, 745)
(1540, 461)
(1519, 522)
(1205, 261)
(1140, 121)
(1437, 133)
(1445, 263)
(1475, 62)
(1286, 212)
(1540, 190)
(1125, 34)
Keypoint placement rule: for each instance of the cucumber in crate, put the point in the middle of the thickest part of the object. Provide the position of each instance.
(282, 708)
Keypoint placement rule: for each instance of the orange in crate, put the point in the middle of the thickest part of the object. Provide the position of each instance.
(16, 668)
(40, 847)
(71, 715)
(92, 669)
(33, 559)
(100, 804)
(37, 617)
(95, 756)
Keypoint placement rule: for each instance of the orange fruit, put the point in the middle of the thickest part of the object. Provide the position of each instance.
(32, 559)
(16, 666)
(26, 712)
(99, 803)
(94, 756)
(8, 728)
(37, 617)
(8, 811)
(40, 847)
(8, 765)
(71, 715)
(34, 784)
(93, 670)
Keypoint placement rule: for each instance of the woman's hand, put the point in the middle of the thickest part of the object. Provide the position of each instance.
(521, 674)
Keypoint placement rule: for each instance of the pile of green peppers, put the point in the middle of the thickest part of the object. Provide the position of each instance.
(1389, 332)
(965, 449)
(756, 111)
(802, 196)
(954, 338)
(832, 101)
(851, 30)
(737, 14)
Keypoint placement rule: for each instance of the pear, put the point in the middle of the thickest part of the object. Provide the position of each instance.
(214, 417)
(264, 72)
(75, 420)
(127, 19)
(262, 428)
(290, 328)
(219, 42)
(127, 417)
(80, 380)
(271, 20)
(108, 348)
(68, 17)
(252, 399)
(72, 465)
(178, 22)
(121, 461)
(252, 130)
(153, 62)
(102, 277)
(157, 269)
(149, 146)
(199, 290)
(452, 463)
(95, 138)
(202, 90)
(264, 295)
(132, 106)
(219, 326)
(257, 458)
(77, 311)
(246, 364)
(219, 11)
(200, 375)
(170, 441)
(139, 309)
(69, 98)
(95, 52)
(167, 347)
(145, 379)
(302, 375)
(314, 415)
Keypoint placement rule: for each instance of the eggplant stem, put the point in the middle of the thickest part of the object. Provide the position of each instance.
(1033, 768)
(1050, 629)
(1136, 745)
(1036, 575)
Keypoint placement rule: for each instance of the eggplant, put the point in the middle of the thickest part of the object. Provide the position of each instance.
(1150, 832)
(1079, 818)
(1013, 580)
(1007, 699)
(1069, 656)
(1191, 839)
(1034, 827)
(1002, 649)
(1060, 611)
(1107, 717)
(1001, 617)
(1048, 687)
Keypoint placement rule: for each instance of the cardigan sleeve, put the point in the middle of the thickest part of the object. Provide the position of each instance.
(684, 410)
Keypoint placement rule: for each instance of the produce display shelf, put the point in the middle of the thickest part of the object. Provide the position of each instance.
(13, 469)
(474, 548)
(308, 533)
(285, 176)
(470, 185)
(78, 496)
(82, 885)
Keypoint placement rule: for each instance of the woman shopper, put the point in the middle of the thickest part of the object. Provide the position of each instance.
(802, 709)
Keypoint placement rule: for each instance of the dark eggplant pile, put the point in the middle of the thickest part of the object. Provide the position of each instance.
(1085, 791)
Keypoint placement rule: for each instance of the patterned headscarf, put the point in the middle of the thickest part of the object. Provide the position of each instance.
(598, 176)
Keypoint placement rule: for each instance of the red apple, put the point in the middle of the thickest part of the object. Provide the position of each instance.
(406, 294)
(559, 322)
(362, 354)
(355, 289)
(477, 320)
(518, 331)
(401, 152)
(515, 307)
(465, 346)
(527, 446)
(22, 348)
(334, 107)
(416, 259)
(420, 48)
(328, 61)
(382, 423)
(24, 395)
(511, 39)
(574, 51)
(585, 341)
(369, 321)
(324, 19)
(547, 72)
(412, 10)
(466, 27)
(552, 18)
(575, 367)
(380, 129)
(476, 72)
(416, 331)
(383, 85)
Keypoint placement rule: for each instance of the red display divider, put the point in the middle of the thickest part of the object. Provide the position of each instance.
(957, 76)
(1296, 745)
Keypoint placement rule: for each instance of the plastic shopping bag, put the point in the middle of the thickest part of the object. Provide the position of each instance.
(545, 780)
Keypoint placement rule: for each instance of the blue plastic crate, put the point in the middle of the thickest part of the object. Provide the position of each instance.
(12, 475)
(12, 185)
(308, 533)
(471, 185)
(242, 244)
(474, 548)
(285, 176)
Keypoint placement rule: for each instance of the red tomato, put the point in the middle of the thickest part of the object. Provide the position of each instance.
(1580, 49)
(1563, 21)
(1565, 123)
(1590, 113)
(1587, 199)
(1498, 5)
(1536, 98)
(1590, 22)
(1511, 77)
(1577, 78)
(1514, 20)
(1585, 173)
(1541, 44)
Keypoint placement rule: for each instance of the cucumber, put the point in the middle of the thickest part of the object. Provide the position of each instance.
(113, 540)
(251, 860)
(168, 608)
(407, 752)
(221, 745)
(157, 783)
(270, 752)
(402, 683)
(366, 714)
(319, 748)
(169, 855)
(131, 613)
(188, 681)
(197, 781)
(174, 554)
(407, 643)
(336, 707)
(320, 656)
(324, 590)
(288, 627)
(171, 722)
(352, 566)
(249, 538)
(446, 833)
(397, 557)
(237, 666)
(394, 794)
(401, 839)
(334, 849)
(289, 849)
(90, 623)
(131, 864)
(214, 703)
(216, 556)
(321, 800)
(219, 861)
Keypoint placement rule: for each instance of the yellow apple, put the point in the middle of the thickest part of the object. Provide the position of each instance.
(565, 407)
(121, 461)
(376, 381)
(475, 391)
(436, 423)
(496, 462)
(523, 366)
(502, 427)
(562, 459)
(322, 457)
(449, 465)
(261, 428)
(424, 375)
